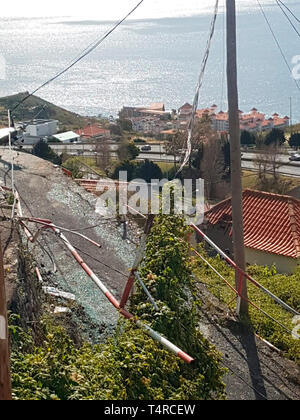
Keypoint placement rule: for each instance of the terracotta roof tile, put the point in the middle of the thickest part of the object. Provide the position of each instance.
(271, 222)
(92, 131)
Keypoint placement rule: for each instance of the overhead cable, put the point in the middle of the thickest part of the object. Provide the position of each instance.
(199, 85)
(277, 43)
(82, 56)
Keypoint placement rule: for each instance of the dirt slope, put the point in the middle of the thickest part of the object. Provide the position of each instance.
(47, 193)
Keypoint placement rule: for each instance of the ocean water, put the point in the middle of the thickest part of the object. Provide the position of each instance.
(152, 60)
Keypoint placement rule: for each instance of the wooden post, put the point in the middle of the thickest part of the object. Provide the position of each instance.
(236, 165)
(5, 384)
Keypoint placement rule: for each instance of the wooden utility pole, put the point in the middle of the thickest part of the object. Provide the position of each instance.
(5, 385)
(236, 161)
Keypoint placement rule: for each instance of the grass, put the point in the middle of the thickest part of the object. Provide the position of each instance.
(250, 180)
(91, 162)
(285, 287)
(33, 105)
(165, 166)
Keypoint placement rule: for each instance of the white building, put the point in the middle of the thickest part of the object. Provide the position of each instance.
(41, 128)
(67, 137)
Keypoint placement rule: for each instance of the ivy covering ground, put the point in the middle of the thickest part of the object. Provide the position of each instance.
(129, 365)
(286, 287)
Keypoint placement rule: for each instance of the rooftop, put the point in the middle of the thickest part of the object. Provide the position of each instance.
(271, 222)
(68, 135)
(92, 131)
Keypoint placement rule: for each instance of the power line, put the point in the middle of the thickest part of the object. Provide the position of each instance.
(199, 85)
(82, 56)
(291, 12)
(288, 18)
(223, 58)
(277, 42)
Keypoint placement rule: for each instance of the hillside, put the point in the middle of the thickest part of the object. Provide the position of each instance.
(33, 105)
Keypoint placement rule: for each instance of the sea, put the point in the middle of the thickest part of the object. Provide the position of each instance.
(154, 57)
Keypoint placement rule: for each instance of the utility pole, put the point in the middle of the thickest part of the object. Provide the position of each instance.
(5, 385)
(291, 111)
(236, 161)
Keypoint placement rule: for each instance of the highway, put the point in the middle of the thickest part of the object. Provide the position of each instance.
(158, 154)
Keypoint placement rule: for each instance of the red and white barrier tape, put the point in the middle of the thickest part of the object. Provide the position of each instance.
(156, 336)
(243, 273)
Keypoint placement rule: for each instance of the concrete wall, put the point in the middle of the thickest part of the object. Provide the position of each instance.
(284, 265)
(220, 237)
(44, 129)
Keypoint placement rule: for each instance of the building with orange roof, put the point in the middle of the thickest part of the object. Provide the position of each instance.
(271, 229)
(93, 131)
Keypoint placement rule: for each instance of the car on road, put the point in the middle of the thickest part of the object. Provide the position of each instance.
(146, 148)
(295, 157)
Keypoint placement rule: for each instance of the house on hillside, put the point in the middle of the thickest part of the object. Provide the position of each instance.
(39, 128)
(271, 229)
(67, 137)
(185, 111)
(93, 131)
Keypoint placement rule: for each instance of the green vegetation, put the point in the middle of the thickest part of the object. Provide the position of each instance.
(129, 365)
(167, 274)
(285, 287)
(251, 180)
(145, 170)
(46, 110)
(247, 138)
(294, 141)
(42, 150)
(128, 151)
(275, 136)
(73, 165)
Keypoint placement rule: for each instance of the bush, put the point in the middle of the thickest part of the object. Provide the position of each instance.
(129, 366)
(147, 171)
(285, 287)
(73, 165)
(167, 274)
(42, 150)
(275, 136)
(125, 166)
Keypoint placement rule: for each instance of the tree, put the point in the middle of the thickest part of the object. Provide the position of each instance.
(115, 130)
(73, 165)
(226, 156)
(268, 163)
(124, 166)
(125, 125)
(295, 141)
(247, 138)
(212, 165)
(128, 151)
(275, 136)
(175, 145)
(103, 155)
(44, 151)
(148, 170)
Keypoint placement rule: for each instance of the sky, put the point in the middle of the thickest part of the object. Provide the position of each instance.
(112, 9)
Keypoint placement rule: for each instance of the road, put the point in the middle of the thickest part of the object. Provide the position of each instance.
(158, 154)
(290, 170)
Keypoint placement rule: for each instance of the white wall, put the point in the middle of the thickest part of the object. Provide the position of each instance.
(44, 129)
(284, 265)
